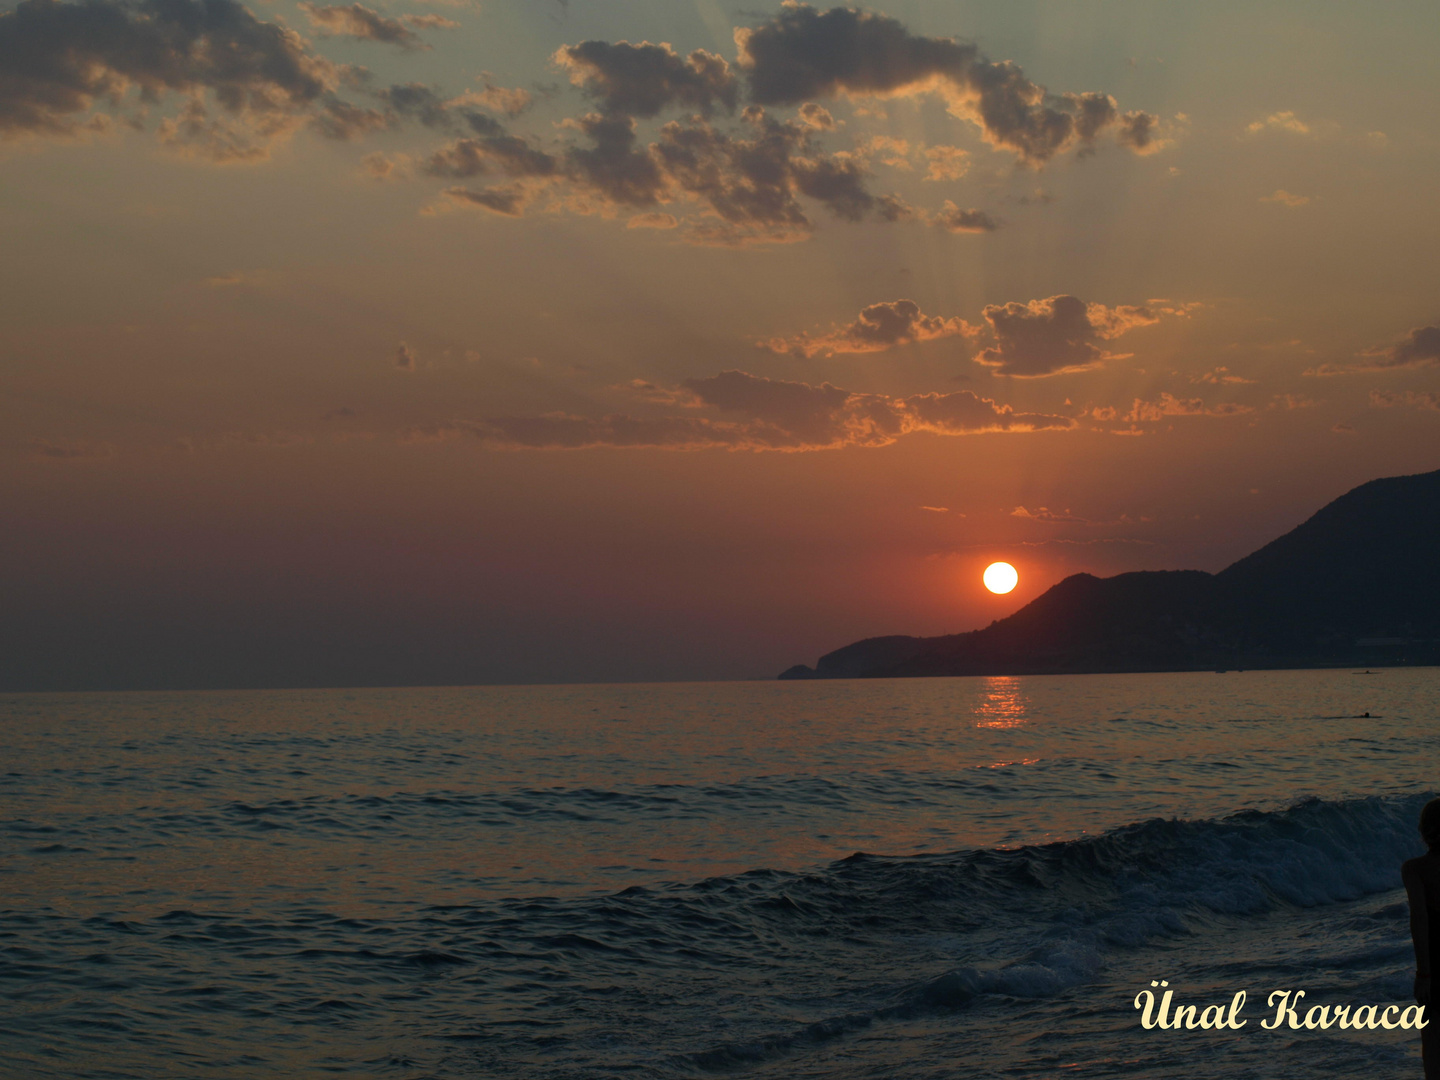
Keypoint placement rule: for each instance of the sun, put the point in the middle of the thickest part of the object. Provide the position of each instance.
(1000, 577)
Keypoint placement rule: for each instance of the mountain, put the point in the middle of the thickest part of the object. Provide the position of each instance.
(1358, 583)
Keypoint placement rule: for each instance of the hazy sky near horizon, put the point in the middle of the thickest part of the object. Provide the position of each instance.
(452, 341)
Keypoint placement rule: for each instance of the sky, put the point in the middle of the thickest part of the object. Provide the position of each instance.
(448, 342)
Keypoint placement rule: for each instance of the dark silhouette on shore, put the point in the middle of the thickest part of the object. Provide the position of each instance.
(1422, 886)
(1357, 585)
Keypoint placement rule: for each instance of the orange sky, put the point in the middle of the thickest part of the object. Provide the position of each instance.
(588, 341)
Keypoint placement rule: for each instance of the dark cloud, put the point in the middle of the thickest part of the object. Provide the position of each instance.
(643, 80)
(492, 151)
(757, 413)
(419, 102)
(879, 326)
(358, 21)
(838, 183)
(57, 60)
(750, 183)
(612, 168)
(744, 181)
(753, 182)
(339, 119)
(509, 200)
(803, 54)
(1093, 114)
(1057, 335)
(405, 357)
(782, 414)
(1138, 131)
(1420, 347)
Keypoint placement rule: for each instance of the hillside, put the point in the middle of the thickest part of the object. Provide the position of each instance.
(1358, 583)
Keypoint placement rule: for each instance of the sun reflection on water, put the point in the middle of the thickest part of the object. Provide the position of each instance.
(1001, 705)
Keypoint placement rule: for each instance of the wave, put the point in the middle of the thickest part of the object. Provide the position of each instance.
(959, 934)
(1052, 917)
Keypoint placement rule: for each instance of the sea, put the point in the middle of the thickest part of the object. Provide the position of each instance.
(915, 878)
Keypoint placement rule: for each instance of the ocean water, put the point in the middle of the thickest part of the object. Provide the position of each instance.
(887, 879)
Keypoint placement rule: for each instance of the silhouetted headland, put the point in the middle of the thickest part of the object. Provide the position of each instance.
(1358, 584)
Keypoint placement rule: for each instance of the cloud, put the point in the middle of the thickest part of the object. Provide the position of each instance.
(754, 182)
(488, 154)
(1419, 348)
(197, 133)
(878, 327)
(511, 101)
(1042, 513)
(886, 149)
(751, 182)
(59, 60)
(1220, 376)
(419, 102)
(945, 162)
(643, 80)
(1140, 132)
(1041, 337)
(803, 54)
(406, 358)
(508, 200)
(1285, 198)
(1059, 335)
(816, 116)
(614, 170)
(342, 120)
(1280, 121)
(433, 22)
(1290, 402)
(365, 24)
(380, 166)
(957, 220)
(1169, 405)
(749, 185)
(750, 412)
(434, 110)
(1383, 399)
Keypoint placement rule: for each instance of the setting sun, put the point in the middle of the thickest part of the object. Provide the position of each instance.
(1000, 577)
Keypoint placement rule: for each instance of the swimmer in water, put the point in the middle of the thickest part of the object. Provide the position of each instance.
(1422, 886)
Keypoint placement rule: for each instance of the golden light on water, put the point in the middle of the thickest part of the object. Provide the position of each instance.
(1001, 577)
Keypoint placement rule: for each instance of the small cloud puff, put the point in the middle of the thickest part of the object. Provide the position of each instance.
(1280, 121)
(1286, 199)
